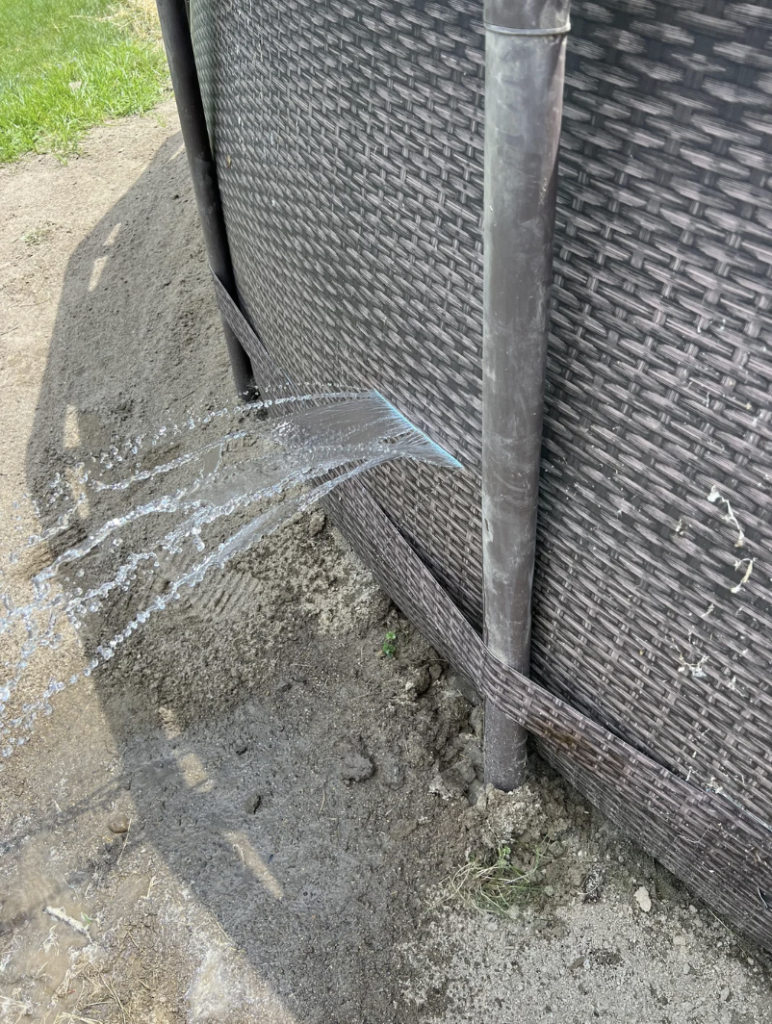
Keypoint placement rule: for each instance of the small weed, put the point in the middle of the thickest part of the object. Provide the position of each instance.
(389, 645)
(37, 235)
(494, 884)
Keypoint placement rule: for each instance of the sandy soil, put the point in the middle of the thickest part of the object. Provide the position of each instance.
(250, 813)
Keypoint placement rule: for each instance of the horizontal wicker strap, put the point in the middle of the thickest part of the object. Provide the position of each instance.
(684, 825)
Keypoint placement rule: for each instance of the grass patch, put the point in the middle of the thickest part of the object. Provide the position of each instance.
(494, 884)
(66, 65)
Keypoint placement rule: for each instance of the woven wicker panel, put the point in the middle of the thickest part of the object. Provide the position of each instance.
(659, 390)
(348, 140)
(349, 146)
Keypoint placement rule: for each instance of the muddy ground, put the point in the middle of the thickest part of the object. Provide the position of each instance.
(251, 814)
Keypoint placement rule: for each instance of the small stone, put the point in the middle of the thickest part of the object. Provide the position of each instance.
(435, 671)
(119, 824)
(252, 803)
(316, 523)
(679, 940)
(548, 890)
(724, 994)
(356, 768)
(642, 898)
(687, 969)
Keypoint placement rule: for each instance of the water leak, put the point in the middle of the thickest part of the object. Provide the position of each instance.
(230, 478)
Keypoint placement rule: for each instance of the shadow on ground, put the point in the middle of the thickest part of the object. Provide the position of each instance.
(241, 715)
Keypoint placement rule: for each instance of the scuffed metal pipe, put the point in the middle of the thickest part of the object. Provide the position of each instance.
(175, 27)
(525, 44)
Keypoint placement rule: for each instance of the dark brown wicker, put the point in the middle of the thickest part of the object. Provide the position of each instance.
(349, 151)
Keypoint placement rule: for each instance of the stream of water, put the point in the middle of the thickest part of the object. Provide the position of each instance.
(106, 532)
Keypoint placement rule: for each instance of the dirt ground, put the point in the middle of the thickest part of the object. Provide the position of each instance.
(251, 814)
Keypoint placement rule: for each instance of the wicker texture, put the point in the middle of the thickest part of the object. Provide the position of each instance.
(349, 148)
(659, 390)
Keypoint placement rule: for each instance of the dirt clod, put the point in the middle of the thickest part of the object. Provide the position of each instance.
(418, 683)
(356, 768)
(316, 523)
(592, 885)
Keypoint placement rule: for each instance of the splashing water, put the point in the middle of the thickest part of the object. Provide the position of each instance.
(258, 474)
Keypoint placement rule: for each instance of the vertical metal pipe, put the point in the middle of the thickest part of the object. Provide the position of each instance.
(524, 71)
(175, 27)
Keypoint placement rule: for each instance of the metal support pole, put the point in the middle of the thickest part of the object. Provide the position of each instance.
(175, 27)
(524, 70)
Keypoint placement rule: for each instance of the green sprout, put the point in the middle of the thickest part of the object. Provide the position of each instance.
(389, 645)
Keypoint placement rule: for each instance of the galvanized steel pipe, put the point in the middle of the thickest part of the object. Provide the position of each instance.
(525, 44)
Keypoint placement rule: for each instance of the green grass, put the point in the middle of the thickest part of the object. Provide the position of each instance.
(66, 65)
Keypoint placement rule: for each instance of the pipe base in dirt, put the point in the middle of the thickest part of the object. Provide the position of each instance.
(504, 750)
(525, 43)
